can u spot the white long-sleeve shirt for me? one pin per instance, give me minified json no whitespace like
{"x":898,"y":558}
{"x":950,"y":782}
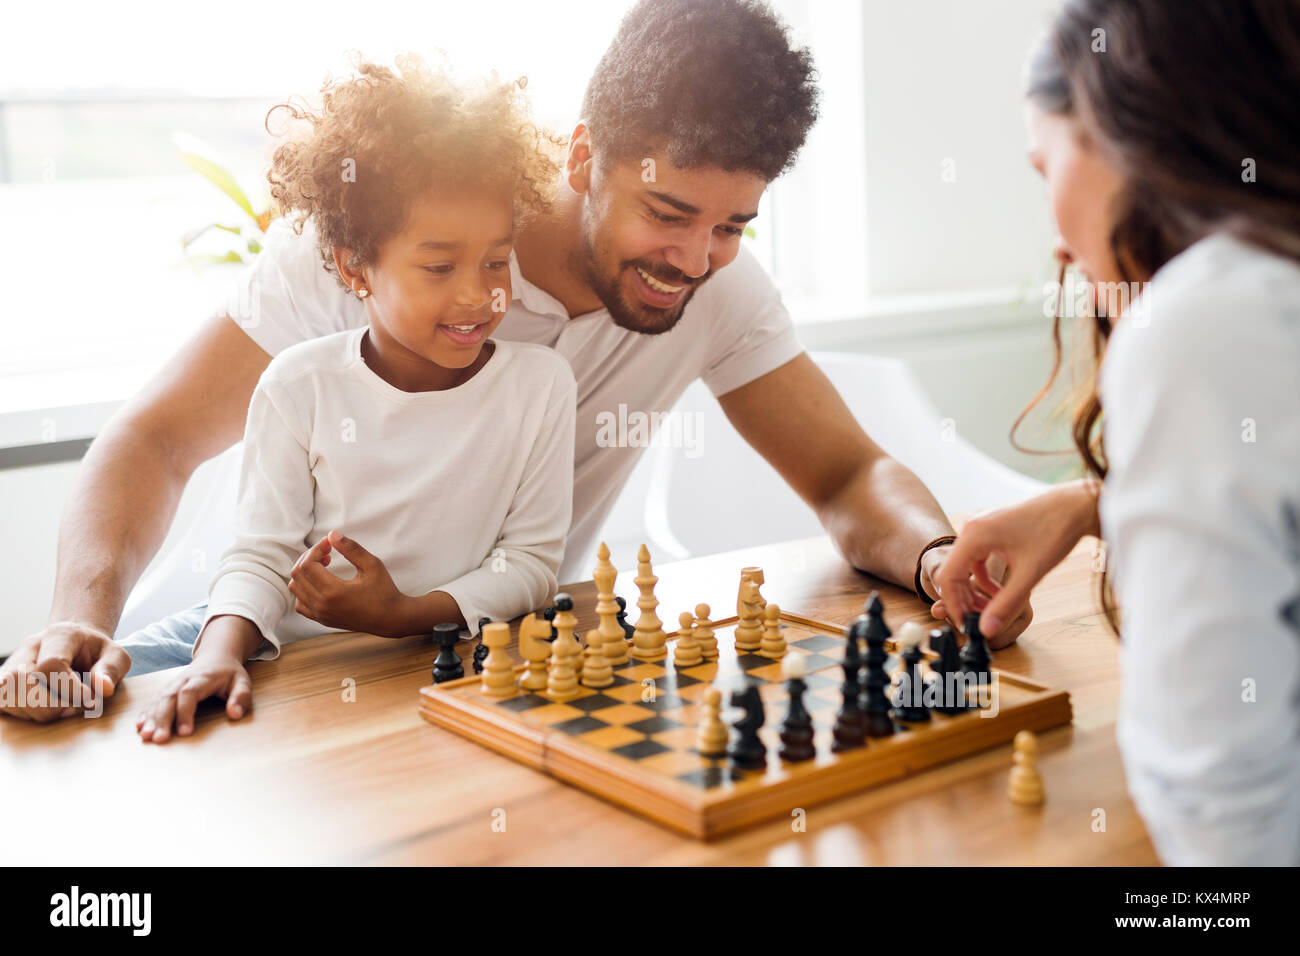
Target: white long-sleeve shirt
{"x":1201,"y":511}
{"x":466,"y":490}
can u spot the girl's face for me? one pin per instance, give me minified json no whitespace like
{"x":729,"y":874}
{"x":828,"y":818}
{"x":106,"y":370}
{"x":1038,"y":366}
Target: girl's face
{"x":1082,"y":189}
{"x":441,"y":286}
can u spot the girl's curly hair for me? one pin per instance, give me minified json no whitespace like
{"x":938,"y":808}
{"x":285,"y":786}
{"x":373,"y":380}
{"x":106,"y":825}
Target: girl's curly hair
{"x":384,"y":136}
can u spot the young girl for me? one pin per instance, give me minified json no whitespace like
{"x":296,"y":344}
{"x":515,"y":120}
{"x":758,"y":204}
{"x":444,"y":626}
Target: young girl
{"x":1170,"y":155}
{"x":414,"y":471}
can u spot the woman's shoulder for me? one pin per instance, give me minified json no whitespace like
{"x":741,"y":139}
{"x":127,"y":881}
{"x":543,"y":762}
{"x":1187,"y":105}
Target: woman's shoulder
{"x":1220,"y":304}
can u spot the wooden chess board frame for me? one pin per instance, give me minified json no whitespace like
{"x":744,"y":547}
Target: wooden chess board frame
{"x":757,"y":796}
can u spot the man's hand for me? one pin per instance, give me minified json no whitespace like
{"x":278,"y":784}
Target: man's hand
{"x":216,"y":675}
{"x":79,"y":653}
{"x":370,"y":602}
{"x":931,"y":569}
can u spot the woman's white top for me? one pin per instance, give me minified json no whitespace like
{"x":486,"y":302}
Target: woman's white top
{"x":1201,"y":513}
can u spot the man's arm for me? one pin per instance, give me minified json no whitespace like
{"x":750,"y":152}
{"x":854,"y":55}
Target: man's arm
{"x":877,"y":512}
{"x":127,"y":491}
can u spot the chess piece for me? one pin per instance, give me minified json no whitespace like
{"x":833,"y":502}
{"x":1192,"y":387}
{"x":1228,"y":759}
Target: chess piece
{"x":975,"y":657}
{"x":946,"y":675}
{"x":628,"y":630}
{"x":711,"y":738}
{"x":498,"y":669}
{"x":870,"y":626}
{"x":747,"y":751}
{"x":686,"y":652}
{"x":596,"y":671}
{"x":909,"y":698}
{"x":481,"y":649}
{"x":756,"y":575}
{"x":447,"y":665}
{"x":704,"y":633}
{"x":796,"y":730}
{"x":548,"y":615}
{"x":564,"y":625}
{"x":533,"y":635}
{"x":749,"y":633}
{"x":1026,"y":784}
{"x":850,"y":730}
{"x":648,"y":643}
{"x":566,"y":656}
{"x":773,"y":642}
{"x":613,"y":639}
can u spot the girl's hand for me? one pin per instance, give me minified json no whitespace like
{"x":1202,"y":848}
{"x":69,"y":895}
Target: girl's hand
{"x":370,"y":602}
{"x":208,"y":676}
{"x":1028,"y":540}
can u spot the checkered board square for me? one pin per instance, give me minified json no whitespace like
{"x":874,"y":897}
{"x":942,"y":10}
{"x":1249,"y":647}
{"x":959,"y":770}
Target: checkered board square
{"x":634,"y":742}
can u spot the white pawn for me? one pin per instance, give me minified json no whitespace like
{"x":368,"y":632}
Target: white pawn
{"x":704,"y":633}
{"x":711,"y":740}
{"x":596,"y":671}
{"x":498,"y":669}
{"x":773,"y":643}
{"x":1026,"y":785}
{"x":686,"y":653}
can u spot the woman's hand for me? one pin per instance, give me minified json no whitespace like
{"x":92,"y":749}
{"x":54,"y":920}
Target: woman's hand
{"x":370,"y":602}
{"x":1028,"y":539}
{"x":215,"y":675}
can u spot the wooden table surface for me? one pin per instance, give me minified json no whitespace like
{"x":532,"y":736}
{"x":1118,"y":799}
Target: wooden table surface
{"x":333,"y":765}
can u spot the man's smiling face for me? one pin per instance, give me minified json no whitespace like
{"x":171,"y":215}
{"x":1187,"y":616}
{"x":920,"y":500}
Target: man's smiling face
{"x":653,"y":233}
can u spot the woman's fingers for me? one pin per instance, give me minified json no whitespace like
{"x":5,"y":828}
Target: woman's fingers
{"x":240,"y":698}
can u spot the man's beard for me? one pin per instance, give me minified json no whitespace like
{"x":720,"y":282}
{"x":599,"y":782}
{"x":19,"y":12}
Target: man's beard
{"x":630,"y":315}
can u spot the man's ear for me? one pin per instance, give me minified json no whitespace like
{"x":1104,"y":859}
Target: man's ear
{"x":578,"y":161}
{"x":354,"y":278}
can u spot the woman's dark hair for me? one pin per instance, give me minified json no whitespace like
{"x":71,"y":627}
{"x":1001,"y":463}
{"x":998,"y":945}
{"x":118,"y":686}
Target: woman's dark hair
{"x":1197,"y":104}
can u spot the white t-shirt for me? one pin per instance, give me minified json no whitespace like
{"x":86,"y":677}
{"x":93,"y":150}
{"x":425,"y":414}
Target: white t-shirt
{"x":734,"y":330}
{"x":1201,"y":511}
{"x":466,"y":490}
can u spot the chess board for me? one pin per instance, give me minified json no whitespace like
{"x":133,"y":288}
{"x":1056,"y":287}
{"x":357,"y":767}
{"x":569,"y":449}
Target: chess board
{"x":633,"y":743}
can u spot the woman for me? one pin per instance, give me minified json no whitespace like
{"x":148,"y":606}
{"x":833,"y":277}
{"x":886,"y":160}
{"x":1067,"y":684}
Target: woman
{"x":1169,"y":138}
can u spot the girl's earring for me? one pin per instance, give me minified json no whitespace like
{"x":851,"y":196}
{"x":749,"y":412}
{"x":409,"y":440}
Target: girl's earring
{"x":362,"y":292}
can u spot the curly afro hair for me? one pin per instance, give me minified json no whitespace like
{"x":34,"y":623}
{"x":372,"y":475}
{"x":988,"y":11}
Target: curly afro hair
{"x":713,"y":82}
{"x":383,"y":137}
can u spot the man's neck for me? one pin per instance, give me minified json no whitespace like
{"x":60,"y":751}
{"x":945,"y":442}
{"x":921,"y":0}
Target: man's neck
{"x":548,"y":248}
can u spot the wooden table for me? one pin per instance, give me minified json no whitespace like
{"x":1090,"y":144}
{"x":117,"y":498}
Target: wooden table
{"x":334,"y":765}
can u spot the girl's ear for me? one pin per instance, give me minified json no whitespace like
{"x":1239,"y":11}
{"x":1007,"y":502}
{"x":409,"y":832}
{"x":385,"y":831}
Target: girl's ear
{"x":353,"y":277}
{"x":578,"y":161}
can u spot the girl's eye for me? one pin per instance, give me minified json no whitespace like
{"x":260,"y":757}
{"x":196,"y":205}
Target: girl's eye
{"x":501,"y":264}
{"x":443,"y":270}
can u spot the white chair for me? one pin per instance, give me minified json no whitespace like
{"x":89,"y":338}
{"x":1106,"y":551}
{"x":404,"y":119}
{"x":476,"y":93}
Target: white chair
{"x":723,"y":495}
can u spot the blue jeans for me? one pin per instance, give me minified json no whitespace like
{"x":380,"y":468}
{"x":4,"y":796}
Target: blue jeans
{"x":165,"y":643}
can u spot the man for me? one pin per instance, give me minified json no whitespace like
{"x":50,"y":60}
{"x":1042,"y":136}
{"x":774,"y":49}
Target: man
{"x":637,"y":277}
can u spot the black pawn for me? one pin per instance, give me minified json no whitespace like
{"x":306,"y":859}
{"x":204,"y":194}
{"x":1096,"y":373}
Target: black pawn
{"x":746,"y":749}
{"x":797,"y":729}
{"x":946,"y":669}
{"x":548,"y":615}
{"x":850,"y":730}
{"x":447,"y":665}
{"x":876,"y":683}
{"x":629,"y":630}
{"x":481,"y":651}
{"x":911,"y":689}
{"x":975,"y":658}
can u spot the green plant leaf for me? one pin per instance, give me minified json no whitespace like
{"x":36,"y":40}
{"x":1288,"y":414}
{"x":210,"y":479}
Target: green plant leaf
{"x":200,"y":157}
{"x":189,"y":238}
